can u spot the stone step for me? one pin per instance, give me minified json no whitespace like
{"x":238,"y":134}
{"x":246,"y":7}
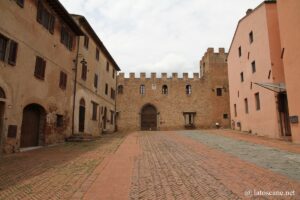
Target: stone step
{"x":81,"y":138}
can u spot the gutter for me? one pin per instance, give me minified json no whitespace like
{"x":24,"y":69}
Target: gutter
{"x":75,"y":85}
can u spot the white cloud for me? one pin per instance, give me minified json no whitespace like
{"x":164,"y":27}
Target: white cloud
{"x":162,"y":35}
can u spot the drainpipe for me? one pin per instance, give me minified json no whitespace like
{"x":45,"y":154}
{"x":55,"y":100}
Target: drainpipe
{"x":116,"y":76}
{"x":75,"y":85}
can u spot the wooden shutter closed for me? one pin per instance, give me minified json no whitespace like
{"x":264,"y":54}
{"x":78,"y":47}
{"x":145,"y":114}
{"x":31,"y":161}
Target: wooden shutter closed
{"x":13,"y":53}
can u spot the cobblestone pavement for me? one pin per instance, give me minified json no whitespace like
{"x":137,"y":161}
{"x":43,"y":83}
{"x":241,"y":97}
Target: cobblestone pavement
{"x":184,"y":165}
{"x":54,"y":172}
{"x":196,"y":165}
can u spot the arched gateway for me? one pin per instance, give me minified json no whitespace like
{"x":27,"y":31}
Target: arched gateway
{"x":148,"y":118}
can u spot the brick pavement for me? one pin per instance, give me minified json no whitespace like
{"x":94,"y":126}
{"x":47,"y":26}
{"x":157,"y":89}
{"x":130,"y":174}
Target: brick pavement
{"x":54,"y":172}
{"x":173,"y":166}
{"x":150,"y":165}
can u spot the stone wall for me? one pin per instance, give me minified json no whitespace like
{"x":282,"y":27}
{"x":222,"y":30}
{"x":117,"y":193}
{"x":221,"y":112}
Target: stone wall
{"x":203,"y":100}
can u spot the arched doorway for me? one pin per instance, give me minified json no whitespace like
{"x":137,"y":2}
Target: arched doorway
{"x":149,"y":118}
{"x":33,"y":125}
{"x":81,"y":115}
{"x":2,"y":107}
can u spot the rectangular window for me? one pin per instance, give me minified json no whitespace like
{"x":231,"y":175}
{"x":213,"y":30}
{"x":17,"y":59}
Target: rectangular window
{"x":84,"y":71}
{"x":20,"y":3}
{"x":112,"y":93}
{"x":66,"y":38}
{"x":107,"y":66}
{"x":251,"y":37}
{"x":235,"y":110}
{"x":95,"y":108}
{"x":219,"y":91}
{"x":12,"y":57}
{"x":253,"y":65}
{"x":63,"y":80}
{"x":106,"y":88}
{"x":242,"y":77}
{"x":112,"y":113}
{"x":3,"y":45}
{"x":96,"y":81}
{"x":225,"y":116}
{"x":257,"y":101}
{"x":97,"y":54}
{"x":113,"y":73}
{"x":240,"y":51}
{"x":40,"y":67}
{"x":246,"y":105}
{"x":59,"y":120}
{"x":45,"y":18}
{"x":86,"y":42}
{"x":142,"y":89}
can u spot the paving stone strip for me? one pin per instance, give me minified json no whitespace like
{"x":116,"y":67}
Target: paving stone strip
{"x":280,"y":161}
{"x":167,"y":170}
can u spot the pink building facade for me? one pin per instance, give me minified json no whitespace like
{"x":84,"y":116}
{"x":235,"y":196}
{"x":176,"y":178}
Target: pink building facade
{"x":289,"y":26}
{"x":256,"y":75}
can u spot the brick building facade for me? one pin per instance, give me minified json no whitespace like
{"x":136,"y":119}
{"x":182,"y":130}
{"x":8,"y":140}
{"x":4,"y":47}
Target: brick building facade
{"x":169,"y":103}
{"x":39,"y":53}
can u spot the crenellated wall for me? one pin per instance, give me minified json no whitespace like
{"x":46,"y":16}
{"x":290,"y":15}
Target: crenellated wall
{"x":203,"y":100}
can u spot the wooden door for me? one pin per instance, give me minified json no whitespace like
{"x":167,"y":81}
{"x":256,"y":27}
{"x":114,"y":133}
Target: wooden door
{"x":81,"y":118}
{"x":105,"y":118}
{"x":2,"y":106}
{"x":30,"y":126}
{"x":149,"y":118}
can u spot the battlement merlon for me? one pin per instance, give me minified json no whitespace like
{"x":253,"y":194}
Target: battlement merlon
{"x":164,"y":76}
{"x":142,"y":75}
{"x":132,"y":75}
{"x":153,"y":75}
{"x":121,"y":75}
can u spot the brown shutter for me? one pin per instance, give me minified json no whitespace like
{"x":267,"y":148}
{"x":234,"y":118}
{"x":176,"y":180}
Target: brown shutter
{"x":51,"y":24}
{"x":43,"y":68}
{"x":13,"y":53}
{"x":39,"y":12}
{"x":70,"y":42}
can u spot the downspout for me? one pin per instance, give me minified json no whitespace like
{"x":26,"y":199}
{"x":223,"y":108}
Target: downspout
{"x":116,"y":95}
{"x":75,"y":85}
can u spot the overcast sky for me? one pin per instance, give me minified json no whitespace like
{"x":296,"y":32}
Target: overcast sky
{"x":161,"y":35}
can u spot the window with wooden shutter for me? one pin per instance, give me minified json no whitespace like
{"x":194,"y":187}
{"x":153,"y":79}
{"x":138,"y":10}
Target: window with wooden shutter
{"x":84,"y":72}
{"x":51,"y":24}
{"x":20,"y":3}
{"x":63,"y":80}
{"x":3,"y":45}
{"x":97,"y":54}
{"x":86,"y":42}
{"x":95,"y":108}
{"x":96,"y":81}
{"x":66,"y":38}
{"x":45,"y":18}
{"x":106,"y":89}
{"x":107,"y":66}
{"x":40,"y":66}
{"x":12,"y":58}
{"x":39,"y":12}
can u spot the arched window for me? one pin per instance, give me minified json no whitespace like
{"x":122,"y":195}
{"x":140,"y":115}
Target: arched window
{"x":142,"y":89}
{"x":164,"y":89}
{"x":120,"y":89}
{"x":188,"y":89}
{"x":2,"y":93}
{"x":82,"y":102}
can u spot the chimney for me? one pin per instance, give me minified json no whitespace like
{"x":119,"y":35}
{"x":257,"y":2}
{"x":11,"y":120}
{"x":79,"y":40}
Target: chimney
{"x":249,"y":11}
